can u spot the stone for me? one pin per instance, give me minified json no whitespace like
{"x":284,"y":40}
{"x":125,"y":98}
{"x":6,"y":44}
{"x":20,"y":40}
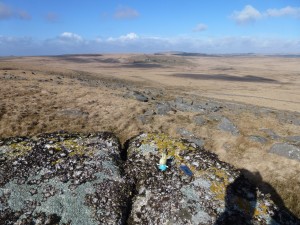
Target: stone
{"x":271,"y":133}
{"x":291,"y":118}
{"x":137,"y":96}
{"x":199,"y":120}
{"x":294,"y":139}
{"x":144,"y":119}
{"x":187,"y":105}
{"x":286,"y":150}
{"x":215,"y":117}
{"x":228,"y":126}
{"x":183,"y":132}
{"x":91,"y":184}
{"x":90,"y":171}
{"x":190,"y":137}
{"x":210,"y":106}
{"x":258,"y":139}
{"x":198,"y":141}
{"x":208,"y":191}
{"x":162,"y":108}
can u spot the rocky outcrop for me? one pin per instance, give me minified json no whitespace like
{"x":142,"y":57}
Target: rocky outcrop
{"x":62,"y":179}
{"x":196,"y":188}
{"x":65,"y":178}
{"x":137,"y":96}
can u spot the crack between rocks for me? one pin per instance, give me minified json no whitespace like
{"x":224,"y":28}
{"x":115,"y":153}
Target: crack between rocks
{"x":132,"y":185}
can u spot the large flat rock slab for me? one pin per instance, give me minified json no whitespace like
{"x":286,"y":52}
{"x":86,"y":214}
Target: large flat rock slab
{"x":227,"y":126}
{"x":195,"y":188}
{"x":62,"y":179}
{"x":286,"y":150}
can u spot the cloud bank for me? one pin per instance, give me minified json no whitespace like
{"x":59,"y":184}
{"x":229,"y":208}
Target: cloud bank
{"x":249,"y":14}
{"x":69,"y":43}
{"x":287,"y":11}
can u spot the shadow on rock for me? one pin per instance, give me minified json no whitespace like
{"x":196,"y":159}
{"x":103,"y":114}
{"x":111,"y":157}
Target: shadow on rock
{"x":282,"y":215}
{"x":241,"y":201}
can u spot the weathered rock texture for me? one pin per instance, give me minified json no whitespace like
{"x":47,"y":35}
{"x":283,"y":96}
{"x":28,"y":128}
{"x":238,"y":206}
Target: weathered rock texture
{"x":62,"y":179}
{"x":65,"y":178}
{"x":216,"y":193}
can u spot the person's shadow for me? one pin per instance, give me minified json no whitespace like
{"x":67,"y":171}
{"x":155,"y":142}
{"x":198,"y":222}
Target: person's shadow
{"x":241,"y":201}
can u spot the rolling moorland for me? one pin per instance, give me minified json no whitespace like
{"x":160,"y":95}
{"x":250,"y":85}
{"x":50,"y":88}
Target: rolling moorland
{"x":244,"y":108}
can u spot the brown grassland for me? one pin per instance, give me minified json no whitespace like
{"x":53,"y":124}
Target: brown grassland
{"x":85,"y":93}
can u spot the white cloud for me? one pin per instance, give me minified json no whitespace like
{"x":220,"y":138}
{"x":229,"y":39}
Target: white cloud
{"x":130,"y":36}
{"x":200,"y":27}
{"x":70,"y":37}
{"x":286,"y":11}
{"x":248,"y":14}
{"x":126,"y":13}
{"x":70,"y":43}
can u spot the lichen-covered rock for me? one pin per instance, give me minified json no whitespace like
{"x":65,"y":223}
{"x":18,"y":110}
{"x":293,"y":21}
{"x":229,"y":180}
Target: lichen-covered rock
{"x":62,"y":178}
{"x":196,"y":188}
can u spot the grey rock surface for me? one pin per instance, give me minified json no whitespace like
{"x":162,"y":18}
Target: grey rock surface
{"x":199,"y":120}
{"x":286,"y":150}
{"x":62,"y":179}
{"x":209,"y":192}
{"x":226,"y":125}
{"x":271,"y":133}
{"x":259,"y":139}
{"x":294,"y":139}
{"x":190,"y":137}
{"x":291,"y":118}
{"x":162,"y":108}
{"x":184,"y":132}
{"x":137,"y":96}
{"x":144,"y":119}
{"x":187,"y":105}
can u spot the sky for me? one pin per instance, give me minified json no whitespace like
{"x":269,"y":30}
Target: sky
{"x":52,"y":27}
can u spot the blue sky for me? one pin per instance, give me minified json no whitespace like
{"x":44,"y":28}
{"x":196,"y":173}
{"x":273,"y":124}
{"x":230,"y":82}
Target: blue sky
{"x":45,"y":27}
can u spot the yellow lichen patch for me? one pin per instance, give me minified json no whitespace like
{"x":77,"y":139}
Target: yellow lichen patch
{"x":164,"y":142}
{"x":218,"y":187}
{"x":76,"y":148}
{"x":18,"y":149}
{"x":220,"y":174}
{"x":73,"y":147}
{"x":262,"y":209}
{"x":219,"y":190}
{"x":56,"y":162}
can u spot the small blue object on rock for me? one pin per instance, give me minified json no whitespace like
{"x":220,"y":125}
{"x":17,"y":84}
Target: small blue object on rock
{"x":162,"y":167}
{"x":186,"y":170}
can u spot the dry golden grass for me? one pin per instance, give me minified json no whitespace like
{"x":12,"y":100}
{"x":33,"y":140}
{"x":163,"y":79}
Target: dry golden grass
{"x":85,"y":94}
